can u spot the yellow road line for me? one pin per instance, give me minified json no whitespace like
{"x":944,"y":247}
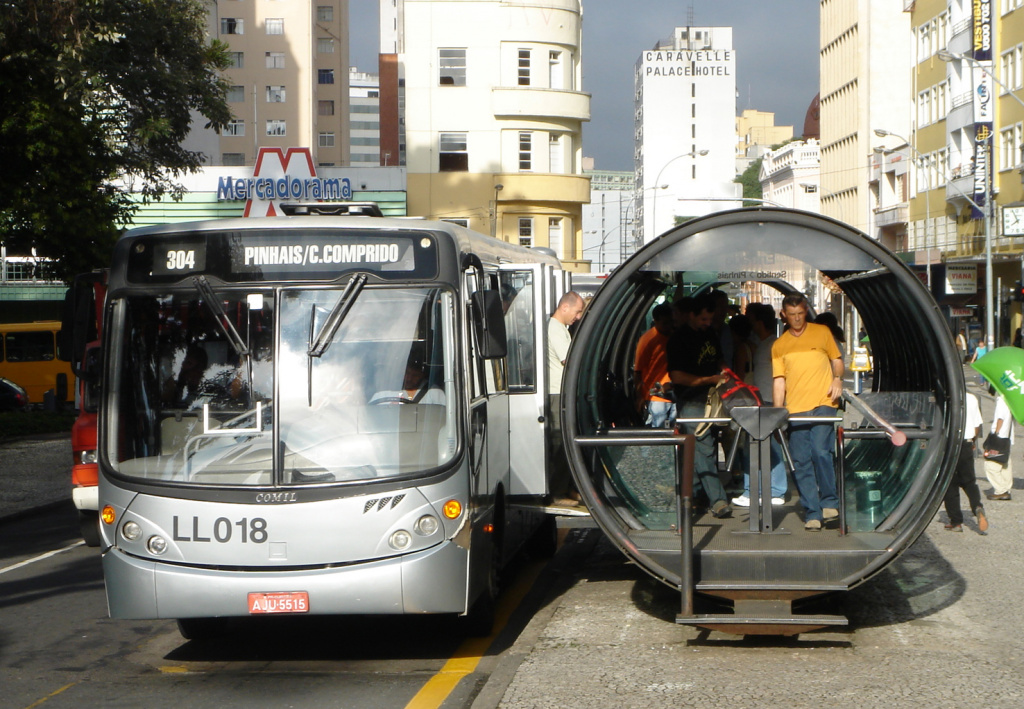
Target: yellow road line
{"x":468,"y":655}
{"x":51,"y":695}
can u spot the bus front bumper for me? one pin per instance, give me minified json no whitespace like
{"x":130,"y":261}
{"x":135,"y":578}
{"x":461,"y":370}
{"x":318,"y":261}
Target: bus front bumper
{"x":430,"y":581}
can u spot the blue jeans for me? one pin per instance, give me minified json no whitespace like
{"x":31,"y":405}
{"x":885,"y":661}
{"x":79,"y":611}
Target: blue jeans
{"x":705,"y":460}
{"x":811,"y":446}
{"x":779,"y":484}
{"x":659,"y":412}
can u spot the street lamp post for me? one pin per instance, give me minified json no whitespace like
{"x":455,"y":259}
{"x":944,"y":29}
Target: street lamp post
{"x":691,"y":154}
{"x":632,"y":204}
{"x":948,"y":56}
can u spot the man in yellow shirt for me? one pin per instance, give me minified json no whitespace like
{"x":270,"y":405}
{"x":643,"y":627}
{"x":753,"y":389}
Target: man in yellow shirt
{"x":808,"y":378}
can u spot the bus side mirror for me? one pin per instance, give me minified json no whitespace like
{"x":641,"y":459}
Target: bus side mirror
{"x":489,"y":324}
{"x":78,"y":324}
{"x":91,"y":380}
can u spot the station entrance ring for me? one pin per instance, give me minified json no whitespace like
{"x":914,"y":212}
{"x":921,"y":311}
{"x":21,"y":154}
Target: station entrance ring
{"x":889,"y":492}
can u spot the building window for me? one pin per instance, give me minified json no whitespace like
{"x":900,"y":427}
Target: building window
{"x":1010,"y":68}
{"x":556,"y":77}
{"x":275,"y":94}
{"x":555,"y":235}
{"x":325,"y":76}
{"x":233,"y":159}
{"x":275,"y":25}
{"x":236,"y":94}
{"x":325,"y":108}
{"x":525,"y":151}
{"x":556,"y":161}
{"x":451,"y":67}
{"x":276,"y":127}
{"x":325,"y":13}
{"x":524,"y":67}
{"x":458,"y":222}
{"x":232,"y":25}
{"x":1010,"y":140}
{"x":235,"y":128}
{"x":326,"y":140}
{"x":453,"y":155}
{"x":325,"y":45}
{"x":526,"y":231}
{"x":237,"y":60}
{"x":275,"y":60}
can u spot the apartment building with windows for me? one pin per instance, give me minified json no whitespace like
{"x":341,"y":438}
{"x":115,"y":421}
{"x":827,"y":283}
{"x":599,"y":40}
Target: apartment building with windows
{"x":288,"y":80}
{"x":491,"y":109}
{"x":865,"y":86}
{"x":966,"y":147}
{"x":364,"y":120}
{"x":684,"y":135}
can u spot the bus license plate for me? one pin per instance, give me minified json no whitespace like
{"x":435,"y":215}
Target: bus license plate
{"x":288,"y":602}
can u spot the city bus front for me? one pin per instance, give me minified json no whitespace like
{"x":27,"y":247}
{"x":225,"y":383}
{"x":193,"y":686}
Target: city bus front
{"x":280,"y":440}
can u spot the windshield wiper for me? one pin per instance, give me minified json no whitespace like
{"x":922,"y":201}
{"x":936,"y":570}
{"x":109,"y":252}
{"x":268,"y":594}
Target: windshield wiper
{"x":223,"y":321}
{"x":348,"y":298}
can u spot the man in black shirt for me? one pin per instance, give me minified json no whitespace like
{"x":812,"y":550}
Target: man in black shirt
{"x":695,"y":365}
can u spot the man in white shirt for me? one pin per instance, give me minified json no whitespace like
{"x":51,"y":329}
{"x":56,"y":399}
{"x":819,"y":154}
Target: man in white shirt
{"x":1000,"y":476}
{"x":964,"y":477}
{"x":569,"y":310}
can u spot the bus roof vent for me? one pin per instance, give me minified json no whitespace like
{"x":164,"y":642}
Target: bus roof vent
{"x":334,"y":209}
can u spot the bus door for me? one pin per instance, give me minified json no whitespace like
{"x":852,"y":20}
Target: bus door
{"x":488,"y":442}
{"x":530,"y":293}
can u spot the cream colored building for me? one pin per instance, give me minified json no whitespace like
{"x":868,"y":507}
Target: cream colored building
{"x":288,"y":80}
{"x":493,"y":111}
{"x":865,"y":85}
{"x":757,"y":133}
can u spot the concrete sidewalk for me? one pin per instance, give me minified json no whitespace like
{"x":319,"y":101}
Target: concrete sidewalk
{"x":938,"y":627}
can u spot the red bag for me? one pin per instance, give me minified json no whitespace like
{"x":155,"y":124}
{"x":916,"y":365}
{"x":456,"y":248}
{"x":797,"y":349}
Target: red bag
{"x":736,"y":392}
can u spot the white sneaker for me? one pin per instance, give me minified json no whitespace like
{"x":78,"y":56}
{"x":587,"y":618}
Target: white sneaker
{"x":741,"y":501}
{"x":776,"y":501}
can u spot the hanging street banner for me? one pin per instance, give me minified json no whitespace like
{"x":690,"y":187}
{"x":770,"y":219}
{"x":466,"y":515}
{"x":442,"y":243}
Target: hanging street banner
{"x":984,"y":103}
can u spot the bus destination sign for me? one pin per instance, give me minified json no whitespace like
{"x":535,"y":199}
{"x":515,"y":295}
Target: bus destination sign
{"x":282,"y":255}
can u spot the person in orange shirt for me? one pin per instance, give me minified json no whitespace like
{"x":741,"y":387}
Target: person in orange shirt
{"x":808,"y":379}
{"x":651,"y":379}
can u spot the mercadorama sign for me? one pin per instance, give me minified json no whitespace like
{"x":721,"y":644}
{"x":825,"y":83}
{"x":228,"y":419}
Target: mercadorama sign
{"x":281,"y":176}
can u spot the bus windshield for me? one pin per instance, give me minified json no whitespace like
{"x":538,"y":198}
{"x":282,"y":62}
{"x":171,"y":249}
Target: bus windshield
{"x":288,"y":386}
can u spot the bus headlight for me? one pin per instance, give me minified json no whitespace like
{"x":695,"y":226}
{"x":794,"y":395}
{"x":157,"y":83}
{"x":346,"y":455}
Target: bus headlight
{"x":87,"y":457}
{"x":157,"y":545}
{"x":131,"y":531}
{"x":400,"y":540}
{"x":426,"y":525}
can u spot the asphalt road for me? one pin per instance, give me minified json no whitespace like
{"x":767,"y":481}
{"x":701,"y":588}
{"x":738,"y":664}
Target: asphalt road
{"x":59,"y":650}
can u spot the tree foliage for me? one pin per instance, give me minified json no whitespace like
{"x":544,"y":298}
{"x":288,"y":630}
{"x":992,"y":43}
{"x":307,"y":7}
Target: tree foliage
{"x":751,"y":182}
{"x":97,"y":93}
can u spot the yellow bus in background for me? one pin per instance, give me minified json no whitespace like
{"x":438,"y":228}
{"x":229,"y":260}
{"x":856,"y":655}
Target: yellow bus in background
{"x":29,"y":358}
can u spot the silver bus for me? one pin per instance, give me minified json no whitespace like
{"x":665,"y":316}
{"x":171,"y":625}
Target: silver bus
{"x":316,"y":415}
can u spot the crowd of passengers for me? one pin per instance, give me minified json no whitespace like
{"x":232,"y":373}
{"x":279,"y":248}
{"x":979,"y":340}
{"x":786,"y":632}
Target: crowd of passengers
{"x":684,"y":355}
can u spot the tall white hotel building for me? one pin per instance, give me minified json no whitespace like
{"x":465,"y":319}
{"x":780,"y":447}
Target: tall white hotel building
{"x":685,"y":129}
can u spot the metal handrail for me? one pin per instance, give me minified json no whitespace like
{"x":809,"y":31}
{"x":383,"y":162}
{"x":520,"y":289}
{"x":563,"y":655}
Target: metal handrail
{"x":685,"y":445}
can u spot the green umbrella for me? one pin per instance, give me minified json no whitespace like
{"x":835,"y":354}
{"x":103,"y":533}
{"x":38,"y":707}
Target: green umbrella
{"x":1003,"y":367}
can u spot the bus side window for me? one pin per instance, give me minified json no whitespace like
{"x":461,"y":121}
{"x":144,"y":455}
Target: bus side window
{"x":517,"y":300}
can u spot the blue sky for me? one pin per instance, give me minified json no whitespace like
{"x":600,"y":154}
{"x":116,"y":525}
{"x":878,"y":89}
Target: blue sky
{"x":776,"y":46}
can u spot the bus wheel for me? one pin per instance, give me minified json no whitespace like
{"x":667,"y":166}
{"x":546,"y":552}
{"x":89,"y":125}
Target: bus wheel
{"x":201,"y":628}
{"x":89,"y":522}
